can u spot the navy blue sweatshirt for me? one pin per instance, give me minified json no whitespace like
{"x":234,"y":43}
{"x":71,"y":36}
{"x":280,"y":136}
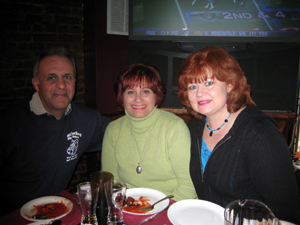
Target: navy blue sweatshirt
{"x":39,"y":154}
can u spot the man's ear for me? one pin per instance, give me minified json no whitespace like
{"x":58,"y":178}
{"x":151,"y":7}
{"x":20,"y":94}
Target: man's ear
{"x":35,"y":83}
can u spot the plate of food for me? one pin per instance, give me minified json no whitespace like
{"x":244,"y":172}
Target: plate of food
{"x":46,"y":208}
{"x":194,"y":211}
{"x":143,"y":197}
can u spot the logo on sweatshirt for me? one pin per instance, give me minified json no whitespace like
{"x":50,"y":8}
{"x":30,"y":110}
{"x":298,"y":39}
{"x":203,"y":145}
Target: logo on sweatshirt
{"x":72,"y":150}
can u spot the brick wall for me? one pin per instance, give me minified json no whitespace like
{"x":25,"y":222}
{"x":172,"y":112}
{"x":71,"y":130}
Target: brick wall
{"x":28,"y":26}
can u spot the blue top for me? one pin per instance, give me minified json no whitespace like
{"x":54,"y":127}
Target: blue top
{"x":205,"y":153}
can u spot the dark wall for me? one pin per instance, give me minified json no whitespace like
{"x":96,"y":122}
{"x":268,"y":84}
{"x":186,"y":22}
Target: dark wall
{"x":28,"y":27}
{"x":272,"y":69}
{"x":106,"y":57}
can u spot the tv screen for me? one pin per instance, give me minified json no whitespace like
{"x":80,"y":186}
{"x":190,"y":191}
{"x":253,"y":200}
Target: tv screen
{"x":215,"y":20}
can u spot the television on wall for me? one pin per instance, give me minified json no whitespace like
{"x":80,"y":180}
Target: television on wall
{"x":215,"y":20}
{"x":263,"y":35}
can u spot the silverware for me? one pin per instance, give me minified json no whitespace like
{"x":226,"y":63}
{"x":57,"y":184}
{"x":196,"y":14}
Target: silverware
{"x":73,"y":192}
{"x":154,"y":215}
{"x":52,"y":222}
{"x":149,"y":218}
{"x":39,"y":216}
{"x":149,"y":208}
{"x":56,"y":222}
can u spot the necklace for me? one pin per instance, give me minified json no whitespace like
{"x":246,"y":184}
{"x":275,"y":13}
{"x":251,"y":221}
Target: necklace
{"x":213,"y":130}
{"x":135,"y":146}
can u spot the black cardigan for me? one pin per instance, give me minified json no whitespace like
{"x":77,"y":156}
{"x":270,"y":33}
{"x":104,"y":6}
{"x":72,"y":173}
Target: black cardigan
{"x":251,"y":162}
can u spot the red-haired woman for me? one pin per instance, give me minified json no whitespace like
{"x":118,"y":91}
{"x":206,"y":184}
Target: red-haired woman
{"x":148,"y":147}
{"x":237,"y":151}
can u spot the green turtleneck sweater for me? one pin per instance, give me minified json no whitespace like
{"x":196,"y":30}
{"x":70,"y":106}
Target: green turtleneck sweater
{"x":160,"y":142}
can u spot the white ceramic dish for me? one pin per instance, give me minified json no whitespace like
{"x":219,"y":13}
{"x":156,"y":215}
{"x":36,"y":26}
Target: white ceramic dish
{"x":282,"y":222}
{"x":153,"y":196}
{"x":194,"y":211}
{"x":39,"y":223}
{"x":28,"y":210}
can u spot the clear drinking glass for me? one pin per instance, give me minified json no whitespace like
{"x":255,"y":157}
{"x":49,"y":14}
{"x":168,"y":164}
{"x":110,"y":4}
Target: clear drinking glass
{"x":115,"y":192}
{"x":248,"y":212}
{"x":88,"y":197}
{"x":101,"y":177}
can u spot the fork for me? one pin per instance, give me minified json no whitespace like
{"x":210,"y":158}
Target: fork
{"x":55,"y":222}
{"x":154,"y":215}
{"x":149,"y":218}
{"x":52,"y":222}
{"x":150,"y":207}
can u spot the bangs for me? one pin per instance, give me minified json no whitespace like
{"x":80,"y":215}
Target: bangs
{"x":140,"y":75}
{"x":198,"y":74}
{"x":136,"y":80}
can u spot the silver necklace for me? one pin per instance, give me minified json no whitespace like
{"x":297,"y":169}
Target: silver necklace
{"x":139,"y":168}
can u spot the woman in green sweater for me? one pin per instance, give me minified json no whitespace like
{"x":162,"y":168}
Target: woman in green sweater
{"x":147,"y":147}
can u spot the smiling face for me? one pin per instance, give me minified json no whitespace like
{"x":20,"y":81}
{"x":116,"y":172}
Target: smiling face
{"x":209,"y":97}
{"x":139,"y":101}
{"x":55,"y":84}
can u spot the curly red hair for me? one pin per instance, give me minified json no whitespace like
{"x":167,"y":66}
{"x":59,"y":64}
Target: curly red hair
{"x":217,"y":62}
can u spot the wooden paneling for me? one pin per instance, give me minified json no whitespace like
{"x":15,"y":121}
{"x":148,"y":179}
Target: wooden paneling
{"x":283,"y":119}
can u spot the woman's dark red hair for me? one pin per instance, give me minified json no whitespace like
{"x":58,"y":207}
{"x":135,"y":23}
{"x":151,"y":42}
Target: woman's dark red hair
{"x":217,"y":62}
{"x":137,"y":75}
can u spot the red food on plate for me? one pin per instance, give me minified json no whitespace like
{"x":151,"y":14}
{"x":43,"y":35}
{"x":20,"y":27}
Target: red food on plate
{"x":136,"y":205}
{"x":297,"y":155}
{"x":52,"y":210}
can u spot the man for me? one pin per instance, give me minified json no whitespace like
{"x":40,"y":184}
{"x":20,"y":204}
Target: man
{"x":43,"y":138}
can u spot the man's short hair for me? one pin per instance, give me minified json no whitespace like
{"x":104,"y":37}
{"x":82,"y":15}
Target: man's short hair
{"x":59,"y":51}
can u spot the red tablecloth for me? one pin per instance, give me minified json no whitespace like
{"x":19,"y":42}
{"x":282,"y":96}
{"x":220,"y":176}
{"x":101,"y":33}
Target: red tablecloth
{"x":74,"y":217}
{"x":160,"y":219}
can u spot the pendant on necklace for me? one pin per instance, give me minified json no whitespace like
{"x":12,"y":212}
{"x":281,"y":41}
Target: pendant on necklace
{"x":139,"y":169}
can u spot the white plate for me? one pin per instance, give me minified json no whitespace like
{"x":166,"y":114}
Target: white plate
{"x":27,"y":210}
{"x":194,"y":211}
{"x":282,"y":222}
{"x":153,"y":196}
{"x":40,"y":223}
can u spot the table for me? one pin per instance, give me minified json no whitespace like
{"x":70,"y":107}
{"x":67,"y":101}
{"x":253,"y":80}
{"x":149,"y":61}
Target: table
{"x":74,"y":217}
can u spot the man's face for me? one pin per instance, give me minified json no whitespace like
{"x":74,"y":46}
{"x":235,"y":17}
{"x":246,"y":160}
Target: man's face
{"x":56,"y":84}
